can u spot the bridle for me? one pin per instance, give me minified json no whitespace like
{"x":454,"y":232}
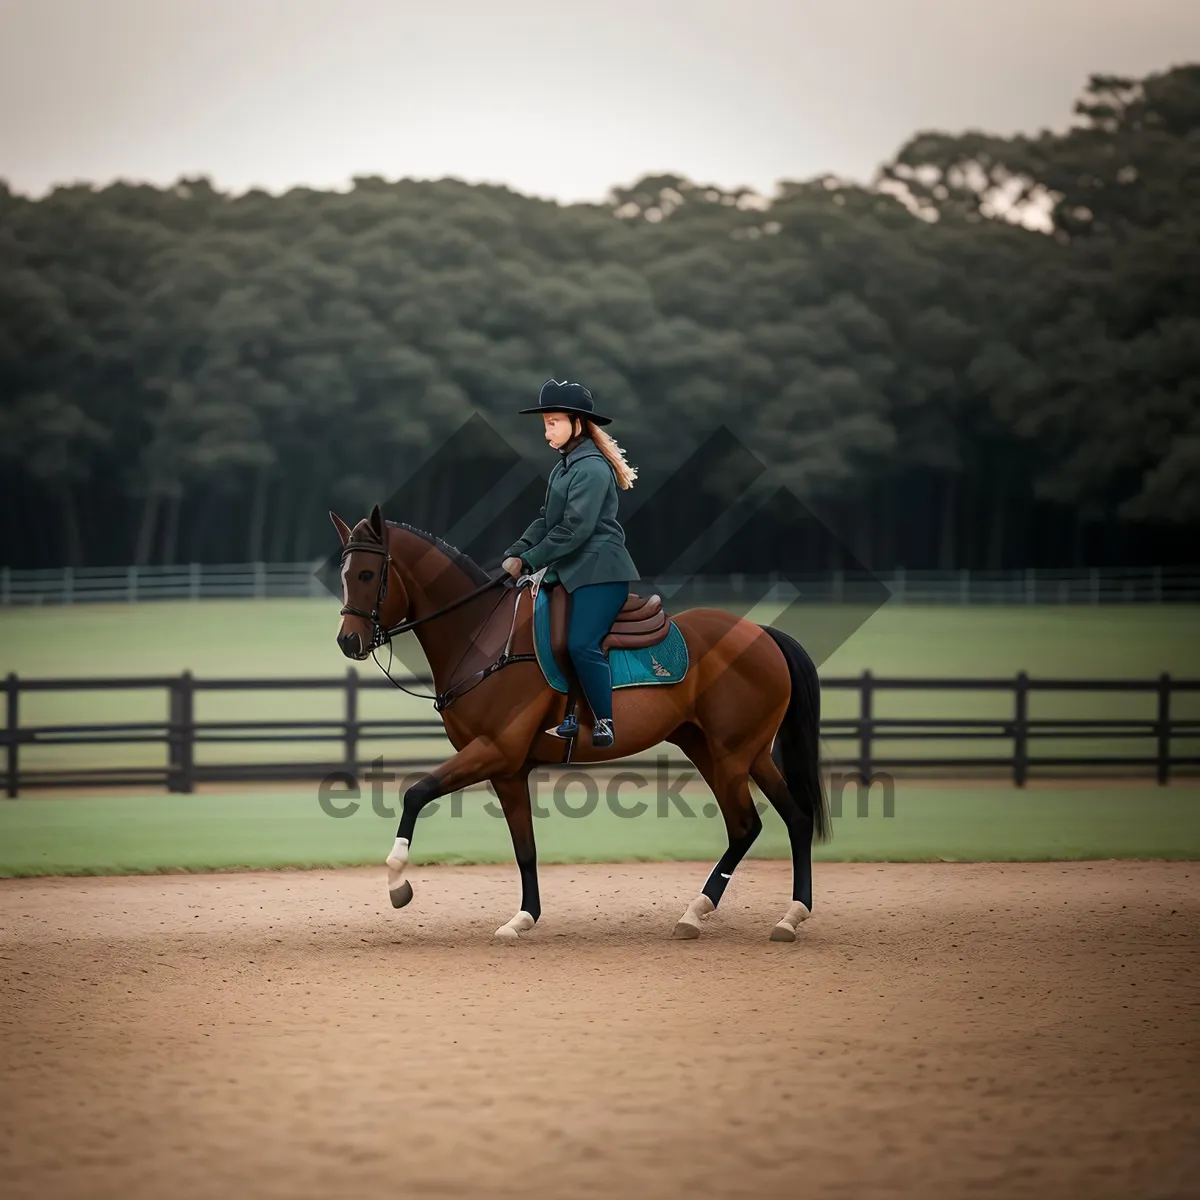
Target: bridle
{"x":381,"y":635}
{"x":378,"y":635}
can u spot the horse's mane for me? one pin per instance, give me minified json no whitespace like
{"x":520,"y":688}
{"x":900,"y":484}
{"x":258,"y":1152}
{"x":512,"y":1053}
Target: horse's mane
{"x":459,"y":558}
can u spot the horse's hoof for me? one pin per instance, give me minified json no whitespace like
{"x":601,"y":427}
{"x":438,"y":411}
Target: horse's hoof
{"x":688,"y":926}
{"x":511,"y":931}
{"x":785,"y":927}
{"x":401,"y":895}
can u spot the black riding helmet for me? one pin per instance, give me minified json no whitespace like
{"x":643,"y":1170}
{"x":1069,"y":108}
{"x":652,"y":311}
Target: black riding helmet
{"x":567,"y":397}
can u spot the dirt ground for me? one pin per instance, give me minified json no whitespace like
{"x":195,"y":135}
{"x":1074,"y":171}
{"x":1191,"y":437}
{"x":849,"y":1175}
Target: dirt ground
{"x":936,"y":1030}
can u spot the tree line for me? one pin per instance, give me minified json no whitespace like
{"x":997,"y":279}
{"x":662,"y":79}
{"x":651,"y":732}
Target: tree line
{"x":988,"y":358}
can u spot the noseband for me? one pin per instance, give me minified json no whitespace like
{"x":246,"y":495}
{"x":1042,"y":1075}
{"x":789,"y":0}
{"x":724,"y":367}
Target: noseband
{"x":380,"y":635}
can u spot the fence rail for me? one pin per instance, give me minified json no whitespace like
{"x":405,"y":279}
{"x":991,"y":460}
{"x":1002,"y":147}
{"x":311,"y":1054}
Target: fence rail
{"x":264,"y":581}
{"x":1149,"y":745}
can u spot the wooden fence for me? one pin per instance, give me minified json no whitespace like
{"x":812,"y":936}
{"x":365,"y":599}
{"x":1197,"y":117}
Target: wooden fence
{"x":268,"y":581}
{"x":1159,"y":744}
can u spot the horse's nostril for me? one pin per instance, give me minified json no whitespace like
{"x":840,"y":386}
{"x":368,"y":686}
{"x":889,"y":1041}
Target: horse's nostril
{"x":351,"y":644}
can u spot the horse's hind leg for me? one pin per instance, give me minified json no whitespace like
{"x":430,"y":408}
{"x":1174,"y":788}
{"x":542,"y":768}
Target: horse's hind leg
{"x":730,"y":785}
{"x":766,"y":774}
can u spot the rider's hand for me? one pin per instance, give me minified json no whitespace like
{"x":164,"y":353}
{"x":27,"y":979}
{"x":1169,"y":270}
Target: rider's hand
{"x":512,"y":566}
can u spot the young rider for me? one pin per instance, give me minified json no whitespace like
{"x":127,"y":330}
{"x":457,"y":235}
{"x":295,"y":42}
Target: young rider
{"x":578,"y":539}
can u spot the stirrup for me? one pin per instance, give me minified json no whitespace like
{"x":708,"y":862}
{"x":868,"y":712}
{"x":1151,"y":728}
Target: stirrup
{"x":569,"y":727}
{"x":602,"y":733}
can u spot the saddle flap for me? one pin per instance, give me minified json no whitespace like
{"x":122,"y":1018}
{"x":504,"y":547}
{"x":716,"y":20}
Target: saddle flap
{"x":559,"y":622}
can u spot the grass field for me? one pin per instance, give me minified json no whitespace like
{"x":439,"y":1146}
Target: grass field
{"x":290,"y":638}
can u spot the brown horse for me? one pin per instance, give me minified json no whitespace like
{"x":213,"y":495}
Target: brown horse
{"x":748,"y":688}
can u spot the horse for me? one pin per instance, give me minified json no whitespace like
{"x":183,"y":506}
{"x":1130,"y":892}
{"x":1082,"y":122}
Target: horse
{"x":747,"y":709}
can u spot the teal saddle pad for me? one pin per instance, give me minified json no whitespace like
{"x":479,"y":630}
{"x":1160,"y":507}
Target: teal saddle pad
{"x":665,"y":663}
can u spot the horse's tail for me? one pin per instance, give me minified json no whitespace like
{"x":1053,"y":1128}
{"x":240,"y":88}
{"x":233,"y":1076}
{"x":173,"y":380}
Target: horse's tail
{"x":797,"y":748}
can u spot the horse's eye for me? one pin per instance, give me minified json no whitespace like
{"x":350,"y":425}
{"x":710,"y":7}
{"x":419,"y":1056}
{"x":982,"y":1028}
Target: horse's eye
{"x":366,"y":576}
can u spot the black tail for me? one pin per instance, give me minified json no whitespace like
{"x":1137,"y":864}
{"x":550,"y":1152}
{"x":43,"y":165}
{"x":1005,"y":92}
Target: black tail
{"x":797,"y":748}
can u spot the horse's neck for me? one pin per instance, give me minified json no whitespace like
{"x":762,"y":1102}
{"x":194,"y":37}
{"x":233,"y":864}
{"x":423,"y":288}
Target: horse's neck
{"x":432,"y":581}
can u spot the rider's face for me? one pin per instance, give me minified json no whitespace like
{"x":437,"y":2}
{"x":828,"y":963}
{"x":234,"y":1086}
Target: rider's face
{"x":560,"y":428}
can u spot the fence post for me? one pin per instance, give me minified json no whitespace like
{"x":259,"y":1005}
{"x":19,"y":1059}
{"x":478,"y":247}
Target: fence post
{"x":5,"y":586}
{"x":1095,"y":579}
{"x":351,"y":753}
{"x":131,"y":584}
{"x":260,"y":581}
{"x":1158,"y":585}
{"x":194,"y":581}
{"x":12,"y":689}
{"x":1164,"y":728}
{"x":865,"y":728}
{"x":187,"y":746}
{"x":68,"y":585}
{"x":181,"y":741}
{"x":964,"y":585}
{"x":1030,"y":586}
{"x":837,"y":585}
{"x":898,"y":584}
{"x":1021,"y":731}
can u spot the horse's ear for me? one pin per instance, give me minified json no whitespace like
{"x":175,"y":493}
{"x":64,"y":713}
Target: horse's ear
{"x":341,"y":526}
{"x":377,"y":523}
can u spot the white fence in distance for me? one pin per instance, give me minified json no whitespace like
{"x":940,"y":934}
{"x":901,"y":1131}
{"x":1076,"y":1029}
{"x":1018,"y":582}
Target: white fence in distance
{"x":132,"y":585}
{"x":269,"y":581}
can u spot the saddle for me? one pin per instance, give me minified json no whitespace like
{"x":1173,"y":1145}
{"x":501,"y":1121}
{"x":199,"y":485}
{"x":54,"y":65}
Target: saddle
{"x":642,"y":621}
{"x":640,"y":631}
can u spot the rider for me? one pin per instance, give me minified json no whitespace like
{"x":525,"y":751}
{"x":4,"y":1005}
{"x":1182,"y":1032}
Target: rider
{"x":579,"y":540}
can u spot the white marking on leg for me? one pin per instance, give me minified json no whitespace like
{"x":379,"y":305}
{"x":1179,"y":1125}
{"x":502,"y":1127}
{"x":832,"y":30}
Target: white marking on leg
{"x":511,"y":931}
{"x":688,"y":926}
{"x":397,"y":861}
{"x":785,"y":928}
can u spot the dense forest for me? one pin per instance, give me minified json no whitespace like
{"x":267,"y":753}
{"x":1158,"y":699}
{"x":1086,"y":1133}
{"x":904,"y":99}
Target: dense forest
{"x":988,"y":358}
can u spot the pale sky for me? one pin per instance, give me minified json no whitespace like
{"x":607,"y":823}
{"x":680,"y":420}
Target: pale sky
{"x":558,"y":98}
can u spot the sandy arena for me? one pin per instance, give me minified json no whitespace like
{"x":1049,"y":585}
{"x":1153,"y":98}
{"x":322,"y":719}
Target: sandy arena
{"x":936,"y":1030}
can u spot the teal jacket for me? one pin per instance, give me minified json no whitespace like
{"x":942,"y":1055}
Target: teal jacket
{"x":577,"y":535}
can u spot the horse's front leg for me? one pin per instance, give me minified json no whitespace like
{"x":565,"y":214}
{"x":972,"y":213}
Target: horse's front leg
{"x":513,"y":793}
{"x":478,"y":760}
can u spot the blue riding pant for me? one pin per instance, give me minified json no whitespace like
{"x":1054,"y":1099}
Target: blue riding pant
{"x":594,"y":607}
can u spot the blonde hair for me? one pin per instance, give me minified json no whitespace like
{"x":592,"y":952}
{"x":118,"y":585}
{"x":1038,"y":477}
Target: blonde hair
{"x":616,"y":456}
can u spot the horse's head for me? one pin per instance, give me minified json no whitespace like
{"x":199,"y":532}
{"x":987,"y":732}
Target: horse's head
{"x":373,"y":596}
